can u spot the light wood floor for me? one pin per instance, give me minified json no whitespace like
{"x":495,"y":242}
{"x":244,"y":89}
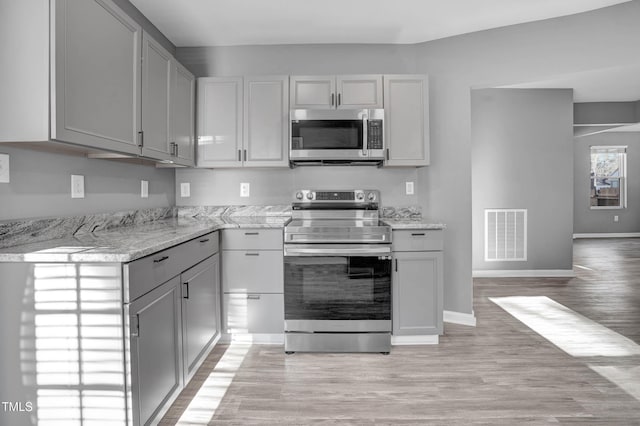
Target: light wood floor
{"x":498,"y":373}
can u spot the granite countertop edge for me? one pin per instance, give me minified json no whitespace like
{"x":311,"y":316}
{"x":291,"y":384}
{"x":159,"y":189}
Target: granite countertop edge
{"x":128,"y":243}
{"x":413,"y":223}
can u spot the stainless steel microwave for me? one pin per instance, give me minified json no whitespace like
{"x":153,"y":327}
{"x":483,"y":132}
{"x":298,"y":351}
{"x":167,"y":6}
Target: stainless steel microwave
{"x":336,"y":136}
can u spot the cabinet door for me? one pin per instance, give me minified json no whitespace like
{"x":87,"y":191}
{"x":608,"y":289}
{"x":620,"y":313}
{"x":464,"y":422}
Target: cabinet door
{"x":406,"y":107}
{"x":266,"y":121}
{"x":253,"y":271}
{"x":96,"y":76}
{"x":183,"y":113}
{"x":359,"y":91}
{"x":219,"y":122}
{"x":156,"y":356}
{"x":313,"y":92}
{"x":200,"y":315}
{"x":253,"y":313}
{"x":156,"y":82}
{"x":417,"y":293}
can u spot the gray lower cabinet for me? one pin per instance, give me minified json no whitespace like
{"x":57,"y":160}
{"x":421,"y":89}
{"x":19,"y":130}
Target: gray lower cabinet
{"x":417,"y":283}
{"x":253,"y":284}
{"x":200,"y":313}
{"x":173,"y":320}
{"x":156,"y":355}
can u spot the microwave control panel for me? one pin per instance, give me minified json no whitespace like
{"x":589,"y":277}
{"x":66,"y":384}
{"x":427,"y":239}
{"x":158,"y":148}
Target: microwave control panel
{"x":374,"y":134}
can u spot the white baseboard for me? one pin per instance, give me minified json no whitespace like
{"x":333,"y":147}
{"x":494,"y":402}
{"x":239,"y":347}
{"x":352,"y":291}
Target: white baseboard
{"x":415,"y":340}
{"x":525,"y":273}
{"x":459,"y":318}
{"x":608,"y":235}
{"x":257,"y":338}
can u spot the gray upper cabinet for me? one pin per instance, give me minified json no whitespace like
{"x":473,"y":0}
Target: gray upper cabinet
{"x":183,"y":114}
{"x":243,"y":122}
{"x":96,"y":76}
{"x":266,"y":121}
{"x":406,"y":106}
{"x":331,"y":92}
{"x":156,"y":106}
{"x":219,"y":122}
{"x":168,"y":102}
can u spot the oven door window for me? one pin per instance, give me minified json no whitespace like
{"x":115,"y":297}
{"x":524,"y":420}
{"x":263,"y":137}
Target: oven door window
{"x":326,"y":134}
{"x":337,"y":288}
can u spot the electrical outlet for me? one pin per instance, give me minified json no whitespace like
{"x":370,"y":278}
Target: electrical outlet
{"x":77,"y":186}
{"x":244,"y":189}
{"x":615,"y":218}
{"x":185,"y":190}
{"x":4,"y":168}
{"x":144,"y":189}
{"x":409,"y":188}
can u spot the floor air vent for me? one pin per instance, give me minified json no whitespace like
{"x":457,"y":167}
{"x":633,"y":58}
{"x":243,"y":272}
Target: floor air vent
{"x":505,"y":234}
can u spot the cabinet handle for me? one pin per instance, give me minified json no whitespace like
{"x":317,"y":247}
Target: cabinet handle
{"x":239,"y":155}
{"x":396,"y":265}
{"x":186,"y":292}
{"x":135,"y":325}
{"x":252,"y":254}
{"x":253,"y":296}
{"x":339,"y":99}
{"x":141,"y":138}
{"x":332,"y":99}
{"x":387,"y":153}
{"x":251,"y":233}
{"x":177,"y":149}
{"x":245,"y":155}
{"x":418,"y":234}
{"x":162,"y":259}
{"x":204,"y":240}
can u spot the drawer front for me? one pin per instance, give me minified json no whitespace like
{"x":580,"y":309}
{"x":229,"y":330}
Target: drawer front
{"x":253,"y":313}
{"x":252,"y":271}
{"x":200,"y":248}
{"x":256,"y":239}
{"x":145,"y":274}
{"x":417,"y":240}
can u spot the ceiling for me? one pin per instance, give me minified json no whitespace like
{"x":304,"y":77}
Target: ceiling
{"x":250,"y":22}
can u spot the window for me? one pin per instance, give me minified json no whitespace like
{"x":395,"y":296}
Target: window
{"x":608,"y":173}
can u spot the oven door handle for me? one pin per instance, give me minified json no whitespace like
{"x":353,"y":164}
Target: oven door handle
{"x":351,"y":251}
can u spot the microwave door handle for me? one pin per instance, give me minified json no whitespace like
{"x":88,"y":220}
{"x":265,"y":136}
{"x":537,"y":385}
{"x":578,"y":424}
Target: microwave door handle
{"x":365,"y":143}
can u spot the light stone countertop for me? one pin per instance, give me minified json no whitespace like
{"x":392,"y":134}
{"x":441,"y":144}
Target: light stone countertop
{"x":412,"y":223}
{"x":128,"y":243}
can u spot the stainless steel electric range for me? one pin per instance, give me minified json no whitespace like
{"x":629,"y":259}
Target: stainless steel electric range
{"x":337,"y":273}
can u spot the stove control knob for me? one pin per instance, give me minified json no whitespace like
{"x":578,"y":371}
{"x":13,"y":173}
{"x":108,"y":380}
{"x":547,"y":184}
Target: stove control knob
{"x":359,"y":196}
{"x":371,"y":196}
{"x":299,"y":195}
{"x":309,"y":195}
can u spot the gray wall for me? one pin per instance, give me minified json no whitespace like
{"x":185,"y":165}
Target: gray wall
{"x":510,"y":55}
{"x":522,"y":151}
{"x":587,"y":221}
{"x":41,"y":185}
{"x":277,"y":186}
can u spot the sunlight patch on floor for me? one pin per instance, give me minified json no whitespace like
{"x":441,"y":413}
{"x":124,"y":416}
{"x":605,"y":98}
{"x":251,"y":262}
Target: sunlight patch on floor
{"x":575,"y":334}
{"x":626,"y":378}
{"x":204,"y":404}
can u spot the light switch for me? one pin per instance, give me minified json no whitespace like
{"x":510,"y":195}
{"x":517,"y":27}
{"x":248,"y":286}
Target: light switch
{"x":144,"y":188}
{"x":4,"y":168}
{"x":185,"y":189}
{"x":409,"y":188}
{"x":77,"y":186}
{"x":244,"y":189}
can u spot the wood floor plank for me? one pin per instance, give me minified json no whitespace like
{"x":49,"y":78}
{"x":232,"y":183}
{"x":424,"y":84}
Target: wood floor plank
{"x":498,"y":373}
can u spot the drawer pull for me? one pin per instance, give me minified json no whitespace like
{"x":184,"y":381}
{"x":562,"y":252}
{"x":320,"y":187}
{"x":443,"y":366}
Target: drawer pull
{"x":204,"y":240}
{"x":253,"y":296}
{"x":162,"y":259}
{"x":418,"y":234}
{"x":251,"y":233}
{"x":252,"y":254}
